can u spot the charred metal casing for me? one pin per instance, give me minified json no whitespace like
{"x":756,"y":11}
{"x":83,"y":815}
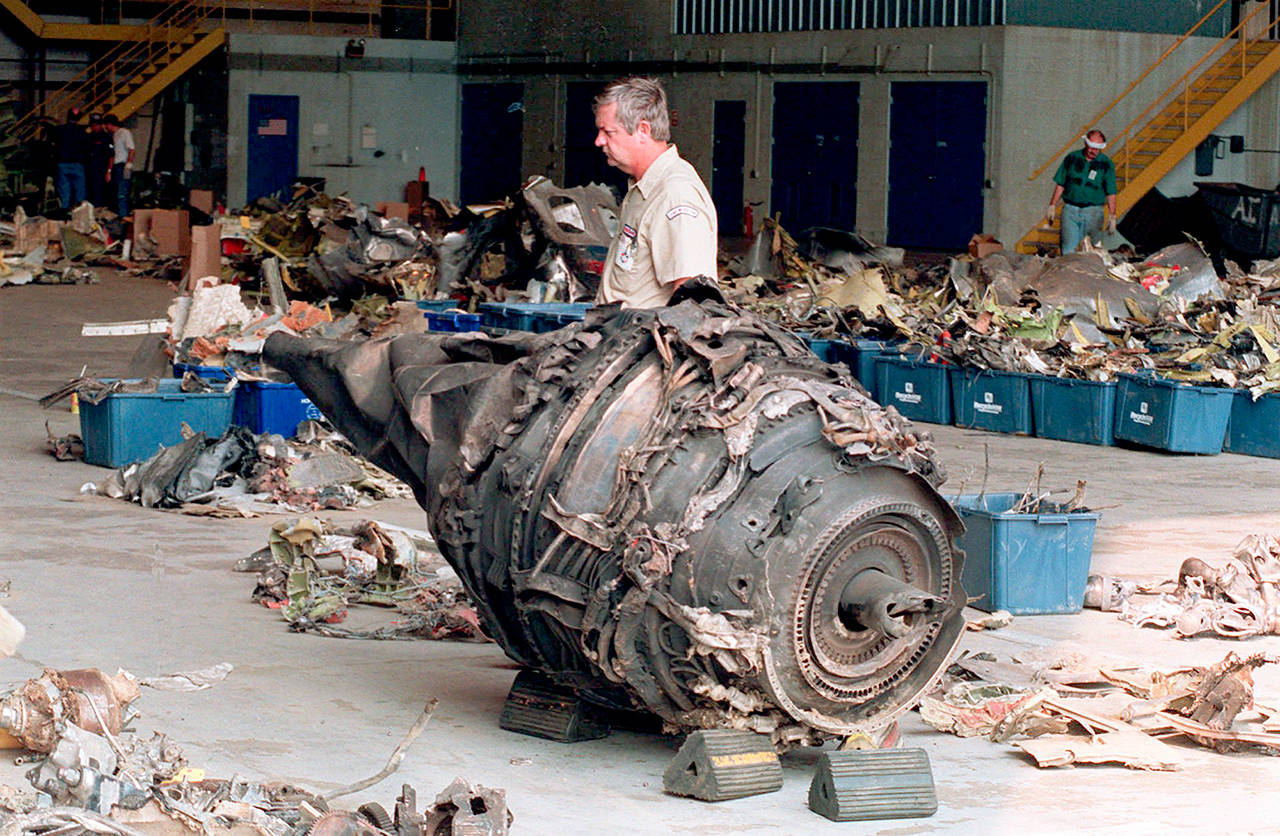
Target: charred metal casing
{"x":680,"y":509}
{"x":88,"y":698}
{"x":548,"y":233}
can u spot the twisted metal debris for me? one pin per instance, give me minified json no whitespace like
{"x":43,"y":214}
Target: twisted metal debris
{"x":681,"y":510}
{"x":1237,"y":600}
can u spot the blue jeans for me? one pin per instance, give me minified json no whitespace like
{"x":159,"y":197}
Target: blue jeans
{"x":122,"y":184}
{"x":70,"y":184}
{"x":1077,"y":222}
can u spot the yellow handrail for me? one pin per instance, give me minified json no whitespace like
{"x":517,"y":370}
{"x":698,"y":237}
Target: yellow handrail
{"x":1182,"y":83}
{"x":183,"y":15}
{"x":96,"y":85}
{"x":145,"y":50}
{"x":1056,"y":156}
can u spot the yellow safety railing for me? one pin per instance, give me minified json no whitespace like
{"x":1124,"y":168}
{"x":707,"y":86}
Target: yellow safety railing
{"x":371,"y":10}
{"x":95,"y":86}
{"x":1180,"y":92}
{"x":1056,"y":156}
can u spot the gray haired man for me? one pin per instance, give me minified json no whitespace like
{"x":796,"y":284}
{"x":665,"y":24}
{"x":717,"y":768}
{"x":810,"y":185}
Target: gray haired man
{"x":667,"y":227}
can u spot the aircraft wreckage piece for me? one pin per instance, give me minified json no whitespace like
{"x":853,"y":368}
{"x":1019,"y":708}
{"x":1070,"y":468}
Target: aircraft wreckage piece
{"x":681,"y":510}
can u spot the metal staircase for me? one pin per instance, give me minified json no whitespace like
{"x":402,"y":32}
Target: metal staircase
{"x":1182,"y":116}
{"x":132,"y":72}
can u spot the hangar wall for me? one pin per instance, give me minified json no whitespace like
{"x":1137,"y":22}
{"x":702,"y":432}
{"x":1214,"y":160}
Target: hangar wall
{"x":1043,"y":83}
{"x":365,"y":125}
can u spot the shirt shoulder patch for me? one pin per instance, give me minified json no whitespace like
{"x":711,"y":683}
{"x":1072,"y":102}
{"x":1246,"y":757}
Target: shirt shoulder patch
{"x":677,"y":211}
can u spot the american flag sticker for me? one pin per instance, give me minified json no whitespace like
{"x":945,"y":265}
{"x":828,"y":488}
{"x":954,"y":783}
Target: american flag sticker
{"x":273,"y":127}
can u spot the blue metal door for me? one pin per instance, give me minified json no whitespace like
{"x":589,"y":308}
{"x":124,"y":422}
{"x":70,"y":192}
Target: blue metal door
{"x":937,"y":159}
{"x":815,"y":154}
{"x":728,"y":153}
{"x":272,"y":146}
{"x":583,"y":162}
{"x":492,"y":141}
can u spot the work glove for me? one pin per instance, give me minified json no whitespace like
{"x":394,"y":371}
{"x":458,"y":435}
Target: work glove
{"x":1050,"y":212}
{"x":1111,"y":225}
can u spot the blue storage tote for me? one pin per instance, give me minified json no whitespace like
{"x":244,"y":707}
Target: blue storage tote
{"x":552,"y":316}
{"x":126,"y":427}
{"x":501,"y":315}
{"x":987,"y":399}
{"x":1028,"y":564}
{"x":439,"y":305}
{"x":532,"y":316}
{"x":266,"y":407}
{"x":920,"y":390}
{"x":453,"y":322}
{"x":1254,"y":429}
{"x":207,"y":372}
{"x":1173,"y":416}
{"x":862,"y":360}
{"x":823,"y":348}
{"x":1073,"y":410}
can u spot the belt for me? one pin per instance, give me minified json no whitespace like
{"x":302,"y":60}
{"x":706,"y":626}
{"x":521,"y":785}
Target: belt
{"x":1081,"y":205}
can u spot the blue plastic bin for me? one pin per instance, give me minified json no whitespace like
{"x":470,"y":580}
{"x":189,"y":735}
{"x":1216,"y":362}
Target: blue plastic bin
{"x":1073,"y":410}
{"x":453,"y":322}
{"x":987,"y":399}
{"x":823,"y":348}
{"x":439,"y":305}
{"x":862,"y":361}
{"x":500,"y":315}
{"x":920,"y":390}
{"x":1254,"y":429}
{"x":128,"y":427}
{"x":266,"y":407}
{"x":532,"y":316}
{"x":1173,"y":416}
{"x":207,"y":372}
{"x":1028,"y":564}
{"x":552,"y":316}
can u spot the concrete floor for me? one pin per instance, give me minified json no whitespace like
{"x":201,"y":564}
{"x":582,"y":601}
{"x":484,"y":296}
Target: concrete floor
{"x":101,"y":583}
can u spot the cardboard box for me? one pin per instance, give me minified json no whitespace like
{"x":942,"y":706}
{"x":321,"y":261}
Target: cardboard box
{"x":984,"y":244}
{"x":393,"y":210}
{"x":169,"y":230}
{"x":206,"y":253}
{"x":201,"y":199}
{"x":36,"y":233}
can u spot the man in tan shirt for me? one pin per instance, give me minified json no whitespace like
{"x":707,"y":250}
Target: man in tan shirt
{"x":668,"y":232}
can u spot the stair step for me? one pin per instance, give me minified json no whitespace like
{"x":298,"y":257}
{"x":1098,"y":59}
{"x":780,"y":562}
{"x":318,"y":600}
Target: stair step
{"x":1225,"y":82}
{"x":1171,"y":131}
{"x":1180,"y":116}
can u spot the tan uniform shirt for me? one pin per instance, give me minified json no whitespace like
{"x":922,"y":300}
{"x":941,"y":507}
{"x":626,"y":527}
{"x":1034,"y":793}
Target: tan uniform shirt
{"x":667,"y":231}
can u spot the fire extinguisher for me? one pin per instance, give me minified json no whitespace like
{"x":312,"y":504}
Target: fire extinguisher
{"x":748,"y":221}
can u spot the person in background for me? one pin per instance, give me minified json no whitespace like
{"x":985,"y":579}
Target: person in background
{"x":72,"y":145}
{"x":1086,"y":180}
{"x":121,"y":172}
{"x":98,"y":165}
{"x":668,"y":226}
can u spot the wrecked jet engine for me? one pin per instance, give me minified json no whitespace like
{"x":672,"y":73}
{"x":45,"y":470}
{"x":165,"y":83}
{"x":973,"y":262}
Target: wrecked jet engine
{"x":681,"y":510}
{"x":557,"y":236}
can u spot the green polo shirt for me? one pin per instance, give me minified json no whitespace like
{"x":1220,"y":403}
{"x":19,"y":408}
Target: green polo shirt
{"x":1086,"y":183}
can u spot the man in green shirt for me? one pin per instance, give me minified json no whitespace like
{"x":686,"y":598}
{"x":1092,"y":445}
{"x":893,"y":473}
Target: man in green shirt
{"x":1085,"y":181}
